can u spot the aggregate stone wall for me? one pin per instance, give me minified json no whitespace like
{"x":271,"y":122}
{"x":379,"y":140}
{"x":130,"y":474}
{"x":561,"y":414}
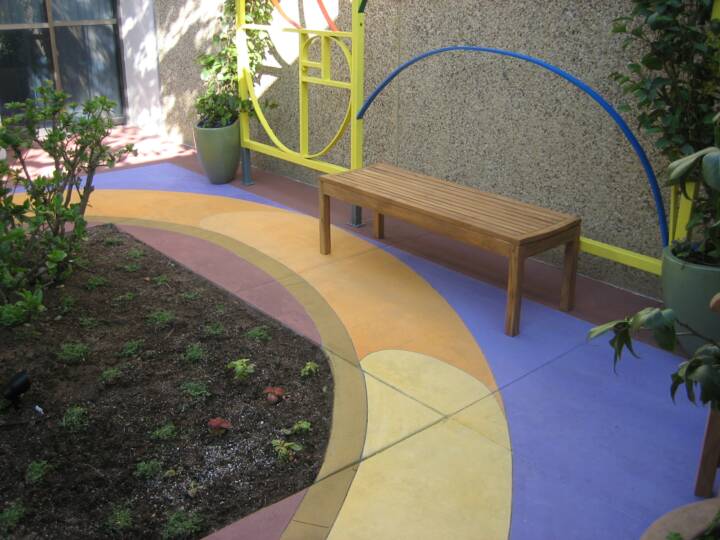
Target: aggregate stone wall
{"x":499,"y":124}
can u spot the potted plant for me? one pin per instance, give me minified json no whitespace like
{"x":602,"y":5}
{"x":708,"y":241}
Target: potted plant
{"x":675,"y":84}
{"x":217,"y":133}
{"x":700,"y":372}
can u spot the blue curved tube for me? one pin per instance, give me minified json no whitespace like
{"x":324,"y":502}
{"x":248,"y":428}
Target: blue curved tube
{"x":629,"y":135}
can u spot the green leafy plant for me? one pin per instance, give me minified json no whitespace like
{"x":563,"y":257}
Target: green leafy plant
{"x":110,"y":375}
{"x":299,"y":427}
{"x":88,"y":322}
{"x":95,"y":282}
{"x":131,"y":348}
{"x":161,"y":318}
{"x":190,"y":296}
{"x":73,"y":353}
{"x":111,"y":241}
{"x":28,"y":305}
{"x":195,"y":389}
{"x":310,"y":369}
{"x":286,"y":450}
{"x":135,"y":253}
{"x":160,"y":280}
{"x":11,"y":516}
{"x":213,"y":329}
{"x":120,"y":518}
{"x":259,"y":333}
{"x":194,"y":353}
{"x":67,"y":303}
{"x":148,"y":469}
{"x":36,"y":471}
{"x":164,"y":432}
{"x":131,"y":268}
{"x":241,"y":368}
{"x":75,"y":418}
{"x":40,"y":234}
{"x":124,"y":298}
{"x":701,"y":371}
{"x":182,"y":524}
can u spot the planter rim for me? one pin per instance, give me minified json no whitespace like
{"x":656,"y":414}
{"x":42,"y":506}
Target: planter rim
{"x":197,"y":126}
{"x":667,"y":253}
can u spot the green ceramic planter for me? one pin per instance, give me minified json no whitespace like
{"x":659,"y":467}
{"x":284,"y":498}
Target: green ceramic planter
{"x":687,"y":290}
{"x":219,"y":151}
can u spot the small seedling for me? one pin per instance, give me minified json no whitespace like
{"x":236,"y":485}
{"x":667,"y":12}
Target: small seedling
{"x":259,"y":333}
{"x":310,"y":369}
{"x":218,"y":425}
{"x":161,"y":318}
{"x":36,"y":471}
{"x":94,"y":282}
{"x":189,"y":296}
{"x":88,"y":322}
{"x":135,"y":253}
{"x":160,"y":280}
{"x":299,"y":427}
{"x":213,"y":330}
{"x":194,"y":353}
{"x":110,"y":375}
{"x":75,"y":418}
{"x":220,"y":309}
{"x":113,"y":241}
{"x":274,"y":393}
{"x":131,"y":267}
{"x":67,"y":303}
{"x":164,"y":432}
{"x":182,"y":525}
{"x":242,"y":368}
{"x":124,"y":298}
{"x":11,"y":516}
{"x":120,"y":518}
{"x":131,"y":349}
{"x":148,"y":469}
{"x":286,"y":450}
{"x":195,"y":389}
{"x":73,"y":353}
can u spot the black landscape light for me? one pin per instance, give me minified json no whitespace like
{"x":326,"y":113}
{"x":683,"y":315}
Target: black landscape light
{"x":18,"y":385}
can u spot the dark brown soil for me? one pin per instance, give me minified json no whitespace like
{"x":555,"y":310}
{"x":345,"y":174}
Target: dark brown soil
{"x":220,"y":477}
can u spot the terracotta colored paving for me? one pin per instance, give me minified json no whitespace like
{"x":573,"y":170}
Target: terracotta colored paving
{"x":443,"y":427}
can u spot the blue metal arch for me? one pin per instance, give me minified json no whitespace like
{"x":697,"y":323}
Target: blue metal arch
{"x":629,"y":135}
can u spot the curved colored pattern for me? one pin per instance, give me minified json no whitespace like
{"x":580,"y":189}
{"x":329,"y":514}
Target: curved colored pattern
{"x":284,"y":15}
{"x":627,"y":132}
{"x":328,"y":19}
{"x":271,"y":133}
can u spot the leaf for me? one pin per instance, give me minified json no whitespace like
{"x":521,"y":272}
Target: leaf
{"x":711,"y":170}
{"x":651,"y":61}
{"x":681,"y":168}
{"x":602,"y":329}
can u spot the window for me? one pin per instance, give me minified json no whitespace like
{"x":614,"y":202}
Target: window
{"x":74,"y":43}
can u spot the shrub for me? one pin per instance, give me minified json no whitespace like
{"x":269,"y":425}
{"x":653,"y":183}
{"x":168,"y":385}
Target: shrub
{"x":160,"y":280}
{"x":135,"y":253}
{"x":40,"y":233}
{"x":131,"y":268}
{"x":164,"y":432}
{"x":161,"y":318}
{"x":182,"y":524}
{"x":148,"y":469}
{"x":73,"y":353}
{"x":110,"y":375}
{"x":259,"y":333}
{"x":131,"y":348}
{"x":214,"y":330}
{"x":242,"y":368}
{"x":195,"y":389}
{"x":11,"y":516}
{"x":309,"y":369}
{"x":194,"y":353}
{"x":120,"y":518}
{"x":88,"y":322}
{"x":75,"y":418}
{"x":36,"y":471}
{"x":124,"y":298}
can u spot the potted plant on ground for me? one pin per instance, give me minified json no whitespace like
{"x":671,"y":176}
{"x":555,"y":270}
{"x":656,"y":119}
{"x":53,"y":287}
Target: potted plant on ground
{"x":675,"y":84}
{"x":700,"y":372}
{"x":217,"y":133}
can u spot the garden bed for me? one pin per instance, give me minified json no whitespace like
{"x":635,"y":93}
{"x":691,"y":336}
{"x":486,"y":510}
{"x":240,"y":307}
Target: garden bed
{"x":129,"y":363}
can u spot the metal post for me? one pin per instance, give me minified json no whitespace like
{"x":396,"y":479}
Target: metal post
{"x":246,"y":170}
{"x":357,"y":96}
{"x":356,"y":217}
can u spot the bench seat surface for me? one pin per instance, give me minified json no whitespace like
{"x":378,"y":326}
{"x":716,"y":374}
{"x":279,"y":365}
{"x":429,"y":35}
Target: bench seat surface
{"x":494,"y":215}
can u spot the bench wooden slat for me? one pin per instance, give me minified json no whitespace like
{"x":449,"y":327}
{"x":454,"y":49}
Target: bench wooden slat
{"x":499,"y":224}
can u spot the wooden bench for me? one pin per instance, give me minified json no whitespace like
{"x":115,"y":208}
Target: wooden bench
{"x":492,"y":222}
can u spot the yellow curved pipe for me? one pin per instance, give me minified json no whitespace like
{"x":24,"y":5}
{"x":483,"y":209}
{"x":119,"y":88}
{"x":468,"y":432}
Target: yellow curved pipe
{"x":266,"y":125}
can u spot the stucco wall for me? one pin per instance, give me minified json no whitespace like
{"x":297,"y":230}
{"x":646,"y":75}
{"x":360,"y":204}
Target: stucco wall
{"x":498,"y":124}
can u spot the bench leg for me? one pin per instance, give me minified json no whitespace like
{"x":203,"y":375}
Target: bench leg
{"x":379,"y":226}
{"x":567,"y":293}
{"x":709,"y":458}
{"x":324,"y":223}
{"x":514,"y":293}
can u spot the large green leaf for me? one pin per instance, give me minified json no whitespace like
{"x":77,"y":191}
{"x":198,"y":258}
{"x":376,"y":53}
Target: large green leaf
{"x":680,"y":168}
{"x":711,"y":169}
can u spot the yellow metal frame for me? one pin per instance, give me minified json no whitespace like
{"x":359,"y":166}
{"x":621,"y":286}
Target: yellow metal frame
{"x":311,"y":72}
